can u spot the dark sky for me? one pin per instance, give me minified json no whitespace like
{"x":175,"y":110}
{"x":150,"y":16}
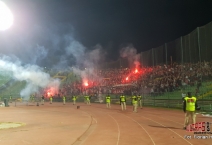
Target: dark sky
{"x":115,"y":23}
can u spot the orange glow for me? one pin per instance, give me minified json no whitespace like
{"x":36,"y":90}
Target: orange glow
{"x":136,"y":70}
{"x":86,"y":84}
{"x":127,"y":78}
{"x":51,"y":91}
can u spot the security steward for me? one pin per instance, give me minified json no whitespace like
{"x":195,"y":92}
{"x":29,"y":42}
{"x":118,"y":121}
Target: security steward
{"x":33,"y":98}
{"x":11,"y":99}
{"x":64,"y":99}
{"x":51,"y":98}
{"x":107,"y":100}
{"x":189,"y":107}
{"x":123,"y":102}
{"x":135,"y":105}
{"x":74,"y":98}
{"x":139,"y":99}
{"x":133,"y":98}
{"x":88,"y":102}
{"x":42,"y":100}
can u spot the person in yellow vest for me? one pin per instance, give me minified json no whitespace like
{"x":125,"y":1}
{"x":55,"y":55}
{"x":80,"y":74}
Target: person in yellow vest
{"x":87,"y":98}
{"x":189,"y":107}
{"x":107,"y":100}
{"x":64,"y":100}
{"x":123,"y":102}
{"x":132,"y":100}
{"x":139,"y":99}
{"x":33,"y":98}
{"x":51,"y":98}
{"x":10,"y":98}
{"x":135,"y":104}
{"x":74,"y":98}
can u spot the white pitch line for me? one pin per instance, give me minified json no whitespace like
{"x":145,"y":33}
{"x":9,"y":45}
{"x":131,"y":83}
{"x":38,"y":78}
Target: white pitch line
{"x":143,"y":129}
{"x":168,"y":119}
{"x":95,"y":120}
{"x":118,"y":129}
{"x":87,"y":128}
{"x":168,"y":129}
{"x":87,"y":135}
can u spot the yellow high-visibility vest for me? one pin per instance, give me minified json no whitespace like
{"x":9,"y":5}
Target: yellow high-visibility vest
{"x":74,"y":98}
{"x":133,"y":98}
{"x":190,"y":103}
{"x":122,"y":98}
{"x":87,"y":98}
{"x":135,"y":102}
{"x":108,"y":99}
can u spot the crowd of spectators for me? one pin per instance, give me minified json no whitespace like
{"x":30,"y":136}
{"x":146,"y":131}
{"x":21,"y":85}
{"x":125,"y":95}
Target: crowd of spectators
{"x":157,"y":79}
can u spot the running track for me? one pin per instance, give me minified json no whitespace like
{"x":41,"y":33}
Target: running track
{"x":57,"y":124}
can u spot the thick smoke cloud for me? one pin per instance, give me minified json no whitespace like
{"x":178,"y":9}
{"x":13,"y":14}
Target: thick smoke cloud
{"x":130,"y":53}
{"x":90,"y":61}
{"x":34,"y":76}
{"x":53,"y":47}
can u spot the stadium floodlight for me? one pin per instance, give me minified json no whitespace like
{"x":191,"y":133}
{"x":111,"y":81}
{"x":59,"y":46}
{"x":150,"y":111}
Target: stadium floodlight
{"x":6,"y":17}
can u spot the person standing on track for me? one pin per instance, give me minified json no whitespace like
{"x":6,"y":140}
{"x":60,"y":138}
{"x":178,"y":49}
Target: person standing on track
{"x":123,"y":102}
{"x":42,"y":100}
{"x":87,"y":97}
{"x":132,"y":100}
{"x":107,"y":100}
{"x":135,"y":105}
{"x":74,"y":98}
{"x":189,"y":107}
{"x":139,"y":99}
{"x":51,"y":98}
{"x":64,"y":99}
{"x":33,"y":98}
{"x":10,"y":99}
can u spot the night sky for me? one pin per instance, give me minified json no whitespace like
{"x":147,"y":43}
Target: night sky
{"x":112,"y":24}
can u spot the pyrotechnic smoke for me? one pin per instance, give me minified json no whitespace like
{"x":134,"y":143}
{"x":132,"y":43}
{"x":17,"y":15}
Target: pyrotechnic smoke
{"x":32,"y":74}
{"x":90,"y":61}
{"x":130,"y":53}
{"x":53,"y":47}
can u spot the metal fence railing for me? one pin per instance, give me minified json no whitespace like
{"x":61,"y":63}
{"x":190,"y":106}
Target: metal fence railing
{"x":191,"y":48}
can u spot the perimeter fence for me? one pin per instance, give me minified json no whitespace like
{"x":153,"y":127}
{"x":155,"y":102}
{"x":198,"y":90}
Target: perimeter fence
{"x":192,"y":48}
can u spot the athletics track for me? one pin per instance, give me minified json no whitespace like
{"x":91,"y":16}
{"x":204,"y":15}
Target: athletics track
{"x":58,"y":124}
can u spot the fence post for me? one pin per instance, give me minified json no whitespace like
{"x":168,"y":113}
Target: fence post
{"x":154,"y":100}
{"x":166,"y":52}
{"x":181,"y":46}
{"x":199,"y":44}
{"x":189,"y":47}
{"x":168,"y":100}
{"x":143,"y":99}
{"x":153,"y":58}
